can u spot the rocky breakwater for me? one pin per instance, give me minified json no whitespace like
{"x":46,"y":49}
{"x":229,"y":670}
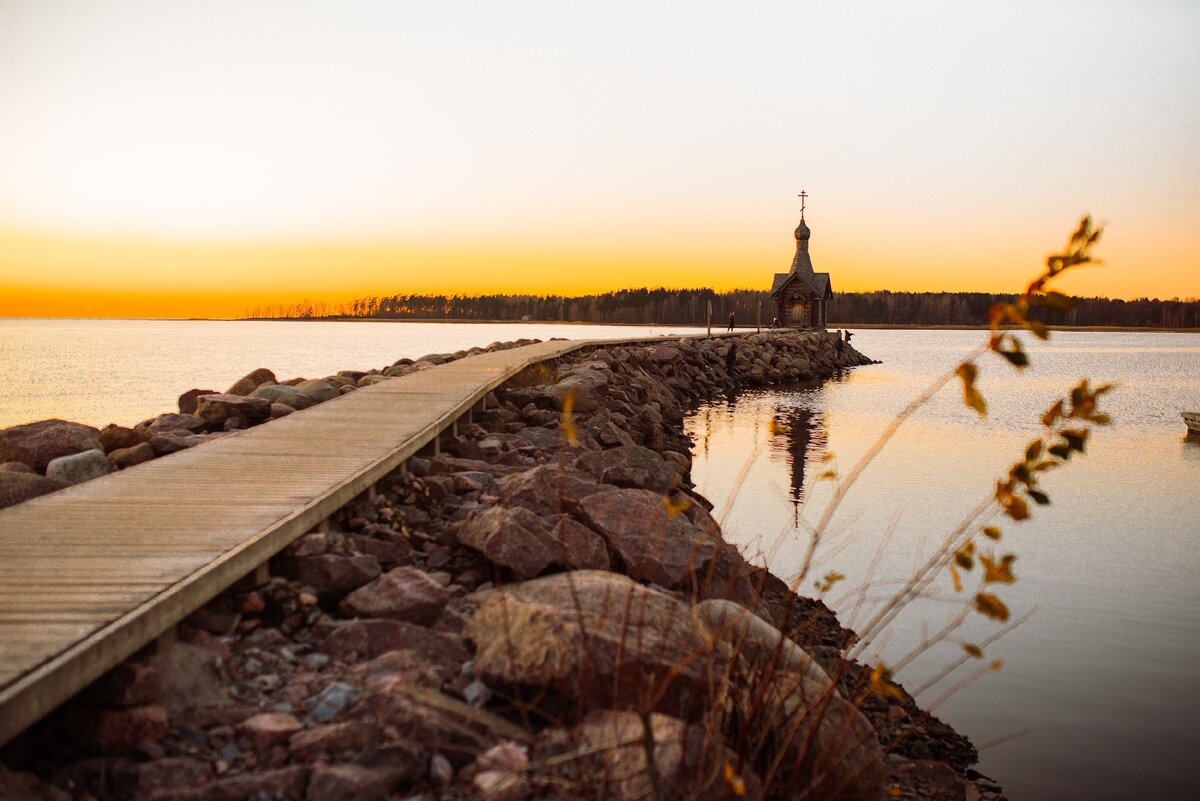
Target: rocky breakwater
{"x":47,"y":455}
{"x":543,"y":610}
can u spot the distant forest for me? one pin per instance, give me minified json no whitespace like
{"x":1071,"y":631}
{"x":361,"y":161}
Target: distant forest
{"x":687,"y":307}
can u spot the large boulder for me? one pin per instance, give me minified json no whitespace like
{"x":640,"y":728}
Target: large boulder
{"x":546,"y":490}
{"x":784,"y":701}
{"x":576,"y":388}
{"x":404,"y":593}
{"x":631,"y":466}
{"x":128,"y":457}
{"x":758,"y":644}
{"x":318,"y":390}
{"x":173,"y":442}
{"x":175,"y":422}
{"x":653,"y":538}
{"x":188,"y":401}
{"x":285,"y":394}
{"x":823,"y":745}
{"x":19,"y":487}
{"x":36,"y":444}
{"x":114,"y":438}
{"x":595,"y":638}
{"x":79,"y":467}
{"x":251,"y":381}
{"x":517,"y":539}
{"x":511,"y":538}
{"x":216,"y":409}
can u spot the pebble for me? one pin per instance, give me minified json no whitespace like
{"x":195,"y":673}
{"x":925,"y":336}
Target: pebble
{"x":331,"y":701}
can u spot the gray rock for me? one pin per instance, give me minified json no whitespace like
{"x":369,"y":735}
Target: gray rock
{"x":330,"y":702}
{"x":285,"y":394}
{"x":79,"y":467}
{"x":176,"y":422}
{"x":318,"y":390}
{"x":173,"y":442}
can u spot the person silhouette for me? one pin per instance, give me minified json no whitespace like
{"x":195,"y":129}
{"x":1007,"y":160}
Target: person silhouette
{"x":731,"y":321}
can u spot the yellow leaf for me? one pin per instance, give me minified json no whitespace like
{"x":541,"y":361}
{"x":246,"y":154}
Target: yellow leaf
{"x":991,"y":606}
{"x":568,"y":423}
{"x":1052,"y":414}
{"x":881,"y":683}
{"x":954,"y":577}
{"x":965,"y":557}
{"x":999,"y":663}
{"x":991,"y":532}
{"x":830,"y":578}
{"x":973,"y":650}
{"x":1017,"y":509}
{"x":735,"y":782}
{"x":967,"y":371}
{"x":672,"y":508}
{"x":894,"y":791}
{"x":997,"y":572}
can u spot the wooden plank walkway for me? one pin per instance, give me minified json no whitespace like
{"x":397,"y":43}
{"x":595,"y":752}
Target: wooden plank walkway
{"x":92,"y":573}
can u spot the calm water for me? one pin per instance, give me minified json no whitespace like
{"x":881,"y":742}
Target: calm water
{"x":123,"y":371}
{"x":1102,"y":683}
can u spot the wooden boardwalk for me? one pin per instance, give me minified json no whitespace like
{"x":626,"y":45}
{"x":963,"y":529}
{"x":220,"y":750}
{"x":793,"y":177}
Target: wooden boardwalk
{"x":92,"y":573}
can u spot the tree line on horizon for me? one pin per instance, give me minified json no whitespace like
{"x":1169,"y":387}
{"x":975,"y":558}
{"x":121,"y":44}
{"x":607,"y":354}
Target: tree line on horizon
{"x":688,"y":307}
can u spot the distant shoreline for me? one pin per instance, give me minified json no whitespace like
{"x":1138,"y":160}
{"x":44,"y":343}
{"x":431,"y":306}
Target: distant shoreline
{"x":1132,"y":329}
{"x":721,"y":325}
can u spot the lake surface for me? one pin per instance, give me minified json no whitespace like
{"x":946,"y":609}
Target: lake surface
{"x":1099,"y":693}
{"x":124,"y":371}
{"x":1102,"y":681}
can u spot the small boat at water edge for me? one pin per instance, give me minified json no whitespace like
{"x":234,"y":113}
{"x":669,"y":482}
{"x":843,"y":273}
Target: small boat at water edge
{"x":1192,"y":419}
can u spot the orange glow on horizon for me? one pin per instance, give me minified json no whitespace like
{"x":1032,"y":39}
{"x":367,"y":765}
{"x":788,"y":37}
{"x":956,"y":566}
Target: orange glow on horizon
{"x":47,"y":275}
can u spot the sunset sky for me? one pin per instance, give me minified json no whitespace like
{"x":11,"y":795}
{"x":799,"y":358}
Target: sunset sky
{"x":163,"y":158}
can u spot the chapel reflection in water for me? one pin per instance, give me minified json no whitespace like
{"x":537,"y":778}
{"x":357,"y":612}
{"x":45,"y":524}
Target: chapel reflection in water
{"x":800,"y":437}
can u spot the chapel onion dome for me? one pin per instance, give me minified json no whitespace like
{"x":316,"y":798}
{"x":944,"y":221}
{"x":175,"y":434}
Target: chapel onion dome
{"x":802,"y":231}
